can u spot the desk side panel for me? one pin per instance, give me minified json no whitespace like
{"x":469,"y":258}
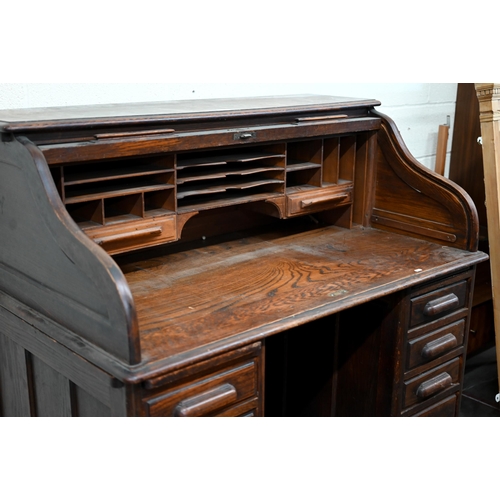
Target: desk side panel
{"x":411,"y":199}
{"x":47,"y":262}
{"x":41,"y":377}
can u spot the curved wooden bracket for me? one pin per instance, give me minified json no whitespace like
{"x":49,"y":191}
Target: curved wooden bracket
{"x":182,"y":220}
{"x":279,"y":204}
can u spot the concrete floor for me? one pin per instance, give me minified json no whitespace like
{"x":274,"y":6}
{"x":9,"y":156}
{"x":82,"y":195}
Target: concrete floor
{"x":480,"y":386}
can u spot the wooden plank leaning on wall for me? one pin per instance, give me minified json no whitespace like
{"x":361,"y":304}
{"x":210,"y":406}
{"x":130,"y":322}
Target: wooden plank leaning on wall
{"x":488,"y":95}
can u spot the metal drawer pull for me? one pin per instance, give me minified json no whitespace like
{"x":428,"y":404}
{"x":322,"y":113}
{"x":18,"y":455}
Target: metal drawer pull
{"x":439,"y":346}
{"x":441,"y":305}
{"x":245,"y":136}
{"x":323,"y":199}
{"x":207,"y":402}
{"x":435,"y":385}
{"x":151,"y":231}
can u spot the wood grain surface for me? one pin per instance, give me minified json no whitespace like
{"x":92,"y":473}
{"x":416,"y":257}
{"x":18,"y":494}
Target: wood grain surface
{"x":260,"y":284}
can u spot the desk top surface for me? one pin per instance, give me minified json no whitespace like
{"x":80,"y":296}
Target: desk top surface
{"x":17,"y":120}
{"x":252,"y":287}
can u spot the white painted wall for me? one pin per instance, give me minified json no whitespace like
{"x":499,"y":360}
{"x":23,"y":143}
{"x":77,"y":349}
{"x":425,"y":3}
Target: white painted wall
{"x":417,"y":108}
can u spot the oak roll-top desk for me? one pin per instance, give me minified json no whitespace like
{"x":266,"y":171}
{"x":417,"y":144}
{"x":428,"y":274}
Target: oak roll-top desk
{"x":270,"y":257}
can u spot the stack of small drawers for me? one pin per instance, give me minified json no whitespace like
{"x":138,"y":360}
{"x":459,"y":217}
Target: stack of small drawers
{"x":435,"y":348}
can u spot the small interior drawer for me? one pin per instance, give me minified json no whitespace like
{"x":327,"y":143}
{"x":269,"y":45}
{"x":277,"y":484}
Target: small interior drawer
{"x":437,"y":304}
{"x":432,"y":383}
{"x":434,"y":344}
{"x":211,"y":395}
{"x":305,"y":202}
{"x":127,"y":236}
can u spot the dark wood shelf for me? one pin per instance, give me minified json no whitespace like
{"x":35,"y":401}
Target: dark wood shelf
{"x":71,"y":179}
{"x":97,"y":193}
{"x":209,"y":161}
{"x":222,"y":188}
{"x":224,"y":173}
{"x":222,"y":200}
{"x":302,"y":166}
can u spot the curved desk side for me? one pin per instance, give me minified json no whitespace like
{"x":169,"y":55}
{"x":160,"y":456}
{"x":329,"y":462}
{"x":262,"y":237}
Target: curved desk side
{"x":420,"y":202}
{"x":48,"y":263}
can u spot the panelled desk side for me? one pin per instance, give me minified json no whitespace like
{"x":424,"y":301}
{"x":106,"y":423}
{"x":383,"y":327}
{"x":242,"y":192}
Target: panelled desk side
{"x":253,"y":257}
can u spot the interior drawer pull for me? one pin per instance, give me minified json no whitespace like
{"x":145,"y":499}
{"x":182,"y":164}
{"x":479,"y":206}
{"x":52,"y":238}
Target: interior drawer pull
{"x":441,"y":305}
{"x":435,"y":385}
{"x":150,"y":231}
{"x":207,"y":402}
{"x":322,"y":199}
{"x":439,"y":346}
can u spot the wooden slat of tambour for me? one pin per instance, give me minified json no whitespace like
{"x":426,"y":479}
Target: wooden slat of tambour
{"x":489,"y":114}
{"x":183,"y":302}
{"x":14,"y":380}
{"x":51,"y":391}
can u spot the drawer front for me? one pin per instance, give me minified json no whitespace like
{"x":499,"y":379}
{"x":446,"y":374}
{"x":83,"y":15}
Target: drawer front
{"x":435,"y":344}
{"x":318,"y":199}
{"x":246,"y":409}
{"x":432,"y":383}
{"x":446,"y":408}
{"x":437,"y":304}
{"x":211,"y":395}
{"x":129,"y":236}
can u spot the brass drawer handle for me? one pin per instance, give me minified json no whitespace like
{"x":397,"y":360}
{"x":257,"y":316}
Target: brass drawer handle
{"x":323,"y":199}
{"x":439,"y":346}
{"x":441,"y":305}
{"x":207,"y":402}
{"x":435,"y":385}
{"x":151,"y":231}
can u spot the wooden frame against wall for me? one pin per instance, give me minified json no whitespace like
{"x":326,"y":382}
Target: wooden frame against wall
{"x":489,"y":108}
